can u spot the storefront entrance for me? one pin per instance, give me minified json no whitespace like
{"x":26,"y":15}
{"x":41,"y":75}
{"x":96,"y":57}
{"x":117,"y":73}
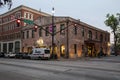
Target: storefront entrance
{"x":90,"y":49}
{"x":62,"y":50}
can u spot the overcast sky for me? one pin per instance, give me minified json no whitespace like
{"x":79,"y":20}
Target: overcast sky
{"x":92,"y":12}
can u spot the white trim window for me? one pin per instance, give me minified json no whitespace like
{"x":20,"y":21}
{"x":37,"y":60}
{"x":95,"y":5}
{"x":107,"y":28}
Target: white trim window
{"x":0,"y":21}
{"x":28,"y":15}
{"x":18,"y":15}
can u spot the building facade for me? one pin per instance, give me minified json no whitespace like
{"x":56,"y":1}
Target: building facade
{"x":72,"y":38}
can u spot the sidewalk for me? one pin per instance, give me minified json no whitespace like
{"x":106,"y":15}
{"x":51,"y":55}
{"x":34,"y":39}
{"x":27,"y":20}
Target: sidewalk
{"x":111,"y":58}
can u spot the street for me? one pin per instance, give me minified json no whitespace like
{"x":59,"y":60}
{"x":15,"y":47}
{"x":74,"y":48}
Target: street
{"x":106,"y":68}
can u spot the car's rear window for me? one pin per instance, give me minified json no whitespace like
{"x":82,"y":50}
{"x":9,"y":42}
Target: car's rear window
{"x":47,"y":51}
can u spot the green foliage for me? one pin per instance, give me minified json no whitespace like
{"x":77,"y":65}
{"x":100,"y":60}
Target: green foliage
{"x":112,"y":22}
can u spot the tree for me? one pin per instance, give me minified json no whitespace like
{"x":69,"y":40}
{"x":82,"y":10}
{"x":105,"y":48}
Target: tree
{"x":113,"y":23}
{"x":6,"y":2}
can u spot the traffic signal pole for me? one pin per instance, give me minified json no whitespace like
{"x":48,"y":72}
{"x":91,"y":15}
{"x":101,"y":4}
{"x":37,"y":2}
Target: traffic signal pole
{"x":53,"y":45}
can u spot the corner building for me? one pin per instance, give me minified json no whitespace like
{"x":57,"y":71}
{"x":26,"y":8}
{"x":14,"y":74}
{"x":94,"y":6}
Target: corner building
{"x":73,"y":38}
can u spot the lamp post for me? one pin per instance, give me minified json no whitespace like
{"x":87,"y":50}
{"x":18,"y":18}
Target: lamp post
{"x":67,"y":55}
{"x":53,"y":55}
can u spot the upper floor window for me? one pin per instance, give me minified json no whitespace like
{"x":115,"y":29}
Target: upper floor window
{"x":27,"y":34}
{"x":17,"y":15}
{"x":96,"y":35}
{"x":54,"y":29}
{"x":105,"y":37}
{"x":5,"y":20}
{"x":62,"y":29}
{"x":33,"y":35}
{"x":28,"y":15}
{"x":82,"y":32}
{"x":0,"y":21}
{"x":101,"y":38}
{"x":108,"y":38}
{"x":23,"y":35}
{"x":75,"y":29}
{"x":90,"y":34}
{"x":40,"y":32}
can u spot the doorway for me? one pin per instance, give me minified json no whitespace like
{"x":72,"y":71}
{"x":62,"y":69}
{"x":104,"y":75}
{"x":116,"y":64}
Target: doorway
{"x":62,"y":50}
{"x":91,"y":50}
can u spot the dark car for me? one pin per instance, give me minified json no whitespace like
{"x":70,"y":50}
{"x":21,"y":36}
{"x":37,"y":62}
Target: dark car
{"x":19,"y":55}
{"x":26,"y":56}
{"x":22,"y":56}
{"x":2,"y":54}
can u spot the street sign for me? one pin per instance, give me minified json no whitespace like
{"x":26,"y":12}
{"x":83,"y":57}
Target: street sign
{"x":28,"y":21}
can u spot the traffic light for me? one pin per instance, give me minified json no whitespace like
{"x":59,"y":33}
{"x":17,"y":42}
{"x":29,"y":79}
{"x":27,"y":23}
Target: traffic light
{"x":35,"y":28}
{"x":18,"y":22}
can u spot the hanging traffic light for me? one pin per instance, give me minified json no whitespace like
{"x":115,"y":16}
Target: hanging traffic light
{"x":35,"y":28}
{"x":18,"y":22}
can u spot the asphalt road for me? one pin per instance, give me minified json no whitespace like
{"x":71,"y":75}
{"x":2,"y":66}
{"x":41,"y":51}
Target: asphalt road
{"x":107,"y":68}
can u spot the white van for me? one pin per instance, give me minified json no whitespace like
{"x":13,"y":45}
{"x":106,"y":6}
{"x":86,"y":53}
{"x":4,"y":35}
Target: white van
{"x":40,"y":53}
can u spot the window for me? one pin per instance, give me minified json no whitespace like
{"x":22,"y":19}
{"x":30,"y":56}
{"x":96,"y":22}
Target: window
{"x":75,"y":29}
{"x":105,"y":37}
{"x":47,"y":31}
{"x":5,"y":20}
{"x":90,"y":34}
{"x":62,"y":27}
{"x":17,"y":15}
{"x":82,"y":32}
{"x":28,"y":15}
{"x":23,"y":36}
{"x":33,"y":34}
{"x":27,"y":34}
{"x":75,"y":48}
{"x":40,"y":32}
{"x":101,"y":38}
{"x":0,"y":21}
{"x":108,"y":38}
{"x":96,"y":35}
{"x":54,"y":29}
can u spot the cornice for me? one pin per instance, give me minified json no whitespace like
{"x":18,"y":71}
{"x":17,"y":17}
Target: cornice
{"x":24,"y":8}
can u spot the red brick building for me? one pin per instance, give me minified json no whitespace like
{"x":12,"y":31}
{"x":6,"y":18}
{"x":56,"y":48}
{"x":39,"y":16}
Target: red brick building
{"x":72,"y":37}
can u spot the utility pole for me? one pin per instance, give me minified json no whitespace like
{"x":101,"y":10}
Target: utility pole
{"x":67,"y":54}
{"x":53,"y":54}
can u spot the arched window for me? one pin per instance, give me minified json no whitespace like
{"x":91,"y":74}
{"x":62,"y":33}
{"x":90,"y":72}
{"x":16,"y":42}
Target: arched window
{"x":62,"y":27}
{"x":101,"y":38}
{"x":90,"y":34}
{"x":82,"y":32}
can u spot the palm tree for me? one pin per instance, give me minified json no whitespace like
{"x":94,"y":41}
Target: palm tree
{"x":113,"y":23}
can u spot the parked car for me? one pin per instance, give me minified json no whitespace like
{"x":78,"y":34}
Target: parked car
{"x":2,"y":54}
{"x":10,"y":55}
{"x":19,"y":55}
{"x":22,"y":55}
{"x":40,"y":53}
{"x":26,"y":56}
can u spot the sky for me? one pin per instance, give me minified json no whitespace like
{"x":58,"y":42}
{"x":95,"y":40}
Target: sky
{"x":92,"y":12}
